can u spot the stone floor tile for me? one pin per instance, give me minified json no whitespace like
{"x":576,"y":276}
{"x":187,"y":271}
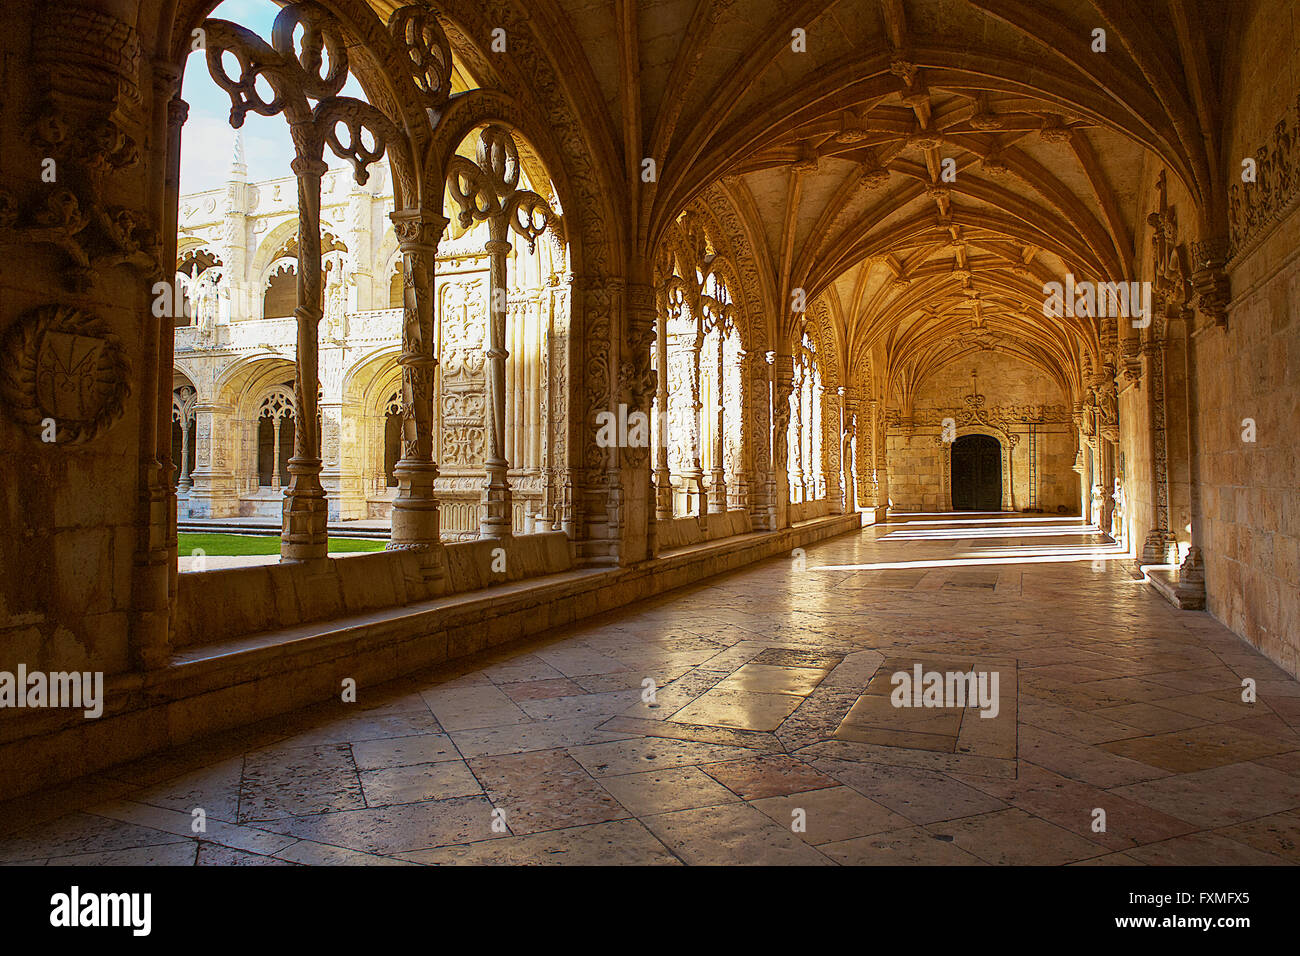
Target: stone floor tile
{"x":1072,"y":805}
{"x":910,"y":846}
{"x":214,"y":854}
{"x":672,"y":788}
{"x":767,"y":776}
{"x":830,"y":815}
{"x":650,"y":753}
{"x":1016,"y":838}
{"x":745,"y":710}
{"x":541,"y":689}
{"x":1278,"y":834}
{"x":922,"y":796}
{"x":1221,"y":796}
{"x":465,"y":708}
{"x":78,"y":834}
{"x":535,"y":735}
{"x":774,"y":679}
{"x":398,"y":829}
{"x":544,"y":790}
{"x":403,"y":751}
{"x":1203,"y":849}
{"x":616,"y":843}
{"x":731,"y":835}
{"x":417,"y":783}
{"x":298,"y":780}
{"x":1199,"y":748}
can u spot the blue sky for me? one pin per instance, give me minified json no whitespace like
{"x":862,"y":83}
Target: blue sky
{"x":207,"y":138}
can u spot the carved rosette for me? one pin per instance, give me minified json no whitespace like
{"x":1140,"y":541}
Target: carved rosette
{"x":63,"y":366}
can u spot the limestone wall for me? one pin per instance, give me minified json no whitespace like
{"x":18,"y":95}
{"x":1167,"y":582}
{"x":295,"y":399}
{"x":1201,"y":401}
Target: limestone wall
{"x":1251,"y":490}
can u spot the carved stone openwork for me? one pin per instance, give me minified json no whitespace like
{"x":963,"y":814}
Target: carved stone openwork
{"x":291,"y":65}
{"x":487,"y":190}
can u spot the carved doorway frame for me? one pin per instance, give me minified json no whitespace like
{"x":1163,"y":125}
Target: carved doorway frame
{"x":1007,"y":442}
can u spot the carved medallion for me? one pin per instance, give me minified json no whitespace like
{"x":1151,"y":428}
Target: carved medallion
{"x":63,"y":365}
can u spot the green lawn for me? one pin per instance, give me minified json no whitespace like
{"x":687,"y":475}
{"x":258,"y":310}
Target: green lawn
{"x":229,"y":544}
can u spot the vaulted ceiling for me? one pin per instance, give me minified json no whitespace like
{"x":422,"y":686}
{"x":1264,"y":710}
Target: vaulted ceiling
{"x":918,"y":168}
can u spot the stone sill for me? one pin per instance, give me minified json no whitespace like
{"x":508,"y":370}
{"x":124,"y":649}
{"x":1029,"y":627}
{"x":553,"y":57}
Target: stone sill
{"x":215,"y":687}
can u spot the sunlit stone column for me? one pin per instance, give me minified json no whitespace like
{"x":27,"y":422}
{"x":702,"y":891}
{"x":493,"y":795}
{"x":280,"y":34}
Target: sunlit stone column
{"x":663,"y":475}
{"x":783,"y":388}
{"x":1160,"y":547}
{"x":848,"y":448}
{"x":882,"y":460}
{"x":739,"y":491}
{"x":304,"y":536}
{"x":185,"y":483}
{"x":695,"y":470}
{"x":833,"y":428}
{"x":797,"y":476}
{"x":718,"y":477}
{"x":415,"y":517}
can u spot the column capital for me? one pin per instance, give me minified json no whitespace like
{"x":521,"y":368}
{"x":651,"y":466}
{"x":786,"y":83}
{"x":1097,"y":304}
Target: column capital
{"x":418,"y":228}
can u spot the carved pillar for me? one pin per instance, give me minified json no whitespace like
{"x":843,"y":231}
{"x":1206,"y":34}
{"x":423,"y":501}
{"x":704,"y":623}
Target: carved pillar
{"x":797,"y":483}
{"x":718,"y":478}
{"x":663,"y":475}
{"x":304,"y":536}
{"x":496,"y":521}
{"x":1191,"y":573}
{"x":167,"y":128}
{"x":833,"y":429}
{"x":882,"y":461}
{"x":1078,"y":467}
{"x":637,"y":386}
{"x":865,"y":452}
{"x":185,"y":483}
{"x":743,"y":461}
{"x":596,"y":497}
{"x":416,"y":522}
{"x":694,"y":472}
{"x":1160,"y":546}
{"x":758,"y":437}
{"x":1107,"y":430}
{"x":849,"y":449}
{"x":782,"y":389}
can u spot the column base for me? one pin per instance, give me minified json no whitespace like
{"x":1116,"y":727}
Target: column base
{"x":1160,"y":547}
{"x":304,"y":534}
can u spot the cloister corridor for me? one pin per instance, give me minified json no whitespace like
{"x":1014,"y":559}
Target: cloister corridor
{"x":770,"y":686}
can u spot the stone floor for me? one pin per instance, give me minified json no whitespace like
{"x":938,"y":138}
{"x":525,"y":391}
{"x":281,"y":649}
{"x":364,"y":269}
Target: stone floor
{"x":769,"y":737}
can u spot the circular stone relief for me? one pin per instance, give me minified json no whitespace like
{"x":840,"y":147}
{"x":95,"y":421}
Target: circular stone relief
{"x":63,"y":366}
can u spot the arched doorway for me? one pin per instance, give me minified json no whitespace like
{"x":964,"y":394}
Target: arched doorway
{"x":976,"y":473}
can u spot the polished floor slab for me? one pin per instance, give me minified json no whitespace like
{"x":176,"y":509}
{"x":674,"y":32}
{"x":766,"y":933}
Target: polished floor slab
{"x":757,"y":718}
